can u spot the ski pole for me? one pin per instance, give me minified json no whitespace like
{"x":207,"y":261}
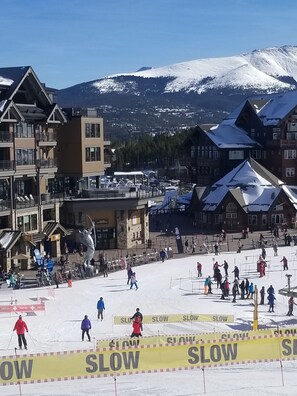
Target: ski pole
{"x":10,"y":340}
{"x":31,"y":338}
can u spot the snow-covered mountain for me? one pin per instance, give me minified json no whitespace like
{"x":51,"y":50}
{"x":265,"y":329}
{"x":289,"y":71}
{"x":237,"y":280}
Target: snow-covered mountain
{"x":186,"y":93}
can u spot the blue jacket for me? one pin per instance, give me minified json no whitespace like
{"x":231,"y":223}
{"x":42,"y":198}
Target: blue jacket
{"x":86,"y":324}
{"x":100,"y":304}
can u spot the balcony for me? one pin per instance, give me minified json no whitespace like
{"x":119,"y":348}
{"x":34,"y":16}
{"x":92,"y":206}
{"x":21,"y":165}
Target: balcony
{"x":46,"y":163}
{"x":5,"y":205}
{"x":46,"y":138}
{"x":6,"y":137}
{"x":25,"y":201}
{"x":84,"y":112}
{"x":6,"y":165}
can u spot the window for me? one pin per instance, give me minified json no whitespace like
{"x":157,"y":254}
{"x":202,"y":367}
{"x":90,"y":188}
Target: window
{"x":290,"y":154}
{"x":290,"y":172}
{"x":236,"y":154}
{"x":92,"y":130}
{"x":277,"y":219}
{"x":218,"y":218}
{"x":27,"y":223}
{"x":215,"y":154}
{"x":25,"y":157}
{"x":23,"y":130}
{"x":276,"y":136}
{"x":231,"y":215}
{"x":93,"y":154}
{"x":193,"y":151}
{"x":256,"y":154}
{"x":252,"y":219}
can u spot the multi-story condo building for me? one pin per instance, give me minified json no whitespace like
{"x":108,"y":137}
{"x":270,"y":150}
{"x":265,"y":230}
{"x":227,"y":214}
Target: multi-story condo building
{"x":262,"y":128}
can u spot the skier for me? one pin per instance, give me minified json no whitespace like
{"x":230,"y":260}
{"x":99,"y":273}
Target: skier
{"x":226,"y":266}
{"x":85,"y":328}
{"x":137,"y":328}
{"x":186,"y":246}
{"x":240,"y":245}
{"x":216,"y":248}
{"x":247,"y":285}
{"x":162,"y":255}
{"x":133,"y":281}
{"x":242,"y":289}
{"x":129,"y":274}
{"x":234,"y":292}
{"x":236,"y":272}
{"x":262,"y":294}
{"x":69,"y":279}
{"x":100,"y":308}
{"x":270,"y":290}
{"x":137,"y":314}
{"x":199,"y":269}
{"x":284,"y":260}
{"x":251,"y":290}
{"x":271,"y":298}
{"x":291,"y":304}
{"x":20,"y":327}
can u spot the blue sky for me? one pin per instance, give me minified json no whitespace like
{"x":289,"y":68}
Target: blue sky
{"x":71,"y":41}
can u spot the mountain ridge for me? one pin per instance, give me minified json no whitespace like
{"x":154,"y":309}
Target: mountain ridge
{"x":184,"y":94}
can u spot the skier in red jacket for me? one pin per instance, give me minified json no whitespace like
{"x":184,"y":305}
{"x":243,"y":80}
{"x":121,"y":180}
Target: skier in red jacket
{"x":20,"y":327}
{"x":137,"y":327}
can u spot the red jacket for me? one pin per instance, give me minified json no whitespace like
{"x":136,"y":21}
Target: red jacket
{"x":20,"y":326}
{"x":137,"y":327}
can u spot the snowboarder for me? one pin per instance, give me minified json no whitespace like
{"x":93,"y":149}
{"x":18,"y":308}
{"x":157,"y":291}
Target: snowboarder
{"x":100,"y":308}
{"x":20,"y":327}
{"x":85,"y":328}
{"x":133,"y":281}
{"x":199,"y":269}
{"x":262,"y":295}
{"x":291,"y":304}
{"x":137,"y":328}
{"x":284,"y":260}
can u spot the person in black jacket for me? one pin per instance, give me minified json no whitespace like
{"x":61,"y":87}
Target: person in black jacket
{"x":262,"y":295}
{"x":139,"y":315}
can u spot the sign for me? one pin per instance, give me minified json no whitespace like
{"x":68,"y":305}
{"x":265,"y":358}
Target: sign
{"x":55,"y":237}
{"x":22,"y":308}
{"x":177,"y":318}
{"x":195,"y":338}
{"x":102,"y":363}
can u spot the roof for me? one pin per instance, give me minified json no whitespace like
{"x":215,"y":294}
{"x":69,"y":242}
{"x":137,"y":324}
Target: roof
{"x":252,"y":186}
{"x":8,"y":238}
{"x":51,"y":227}
{"x":228,"y":135}
{"x":278,"y":107}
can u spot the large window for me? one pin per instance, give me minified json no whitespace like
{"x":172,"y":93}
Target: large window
{"x":92,"y":130}
{"x":93,"y":154}
{"x":23,"y":130}
{"x":290,"y":154}
{"x":27,"y":223}
{"x":25,"y":157}
{"x":252,"y":219}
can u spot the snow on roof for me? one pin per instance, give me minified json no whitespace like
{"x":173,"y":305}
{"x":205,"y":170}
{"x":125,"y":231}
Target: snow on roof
{"x":228,"y":135}
{"x":6,"y":81}
{"x":257,"y":192}
{"x":278,"y":107}
{"x":2,"y":104}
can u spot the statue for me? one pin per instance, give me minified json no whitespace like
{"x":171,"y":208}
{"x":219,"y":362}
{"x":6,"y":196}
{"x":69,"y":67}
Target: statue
{"x":87,"y":240}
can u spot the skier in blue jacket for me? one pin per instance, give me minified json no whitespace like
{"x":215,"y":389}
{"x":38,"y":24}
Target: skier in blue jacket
{"x":86,"y":327}
{"x":100,"y":308}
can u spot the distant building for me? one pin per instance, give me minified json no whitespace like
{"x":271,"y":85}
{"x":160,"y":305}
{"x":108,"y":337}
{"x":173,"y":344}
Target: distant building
{"x":262,"y":127}
{"x":249,"y":196}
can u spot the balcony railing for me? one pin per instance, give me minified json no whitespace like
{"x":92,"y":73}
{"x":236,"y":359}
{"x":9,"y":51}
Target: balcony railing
{"x":46,"y":163}
{"x":25,"y":201}
{"x":6,"y":165}
{"x":46,"y":137}
{"x":5,"y":137}
{"x":5,"y":204}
